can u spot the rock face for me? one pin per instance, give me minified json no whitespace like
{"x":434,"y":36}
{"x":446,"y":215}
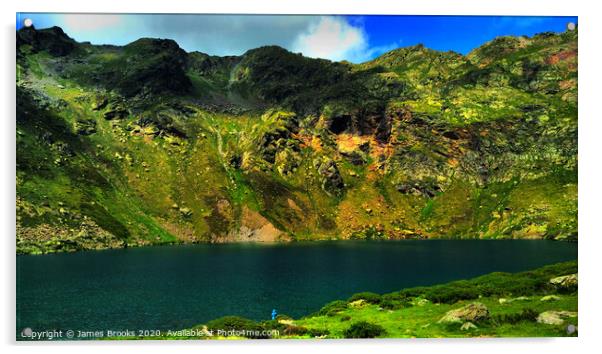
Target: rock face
{"x":100,"y":103}
{"x":566,"y":281}
{"x":46,"y":238}
{"x":279,"y":139}
{"x":332,"y":182}
{"x":473,"y":312}
{"x":53,"y":40}
{"x":85,"y":126}
{"x":254,"y":228}
{"x":115,"y":108}
{"x":555,"y":317}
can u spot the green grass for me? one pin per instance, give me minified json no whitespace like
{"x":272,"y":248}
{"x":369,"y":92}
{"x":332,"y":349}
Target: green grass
{"x":421,"y":321}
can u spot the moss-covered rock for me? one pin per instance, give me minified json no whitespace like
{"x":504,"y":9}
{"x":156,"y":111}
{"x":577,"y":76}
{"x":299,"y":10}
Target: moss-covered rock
{"x":473,"y":312}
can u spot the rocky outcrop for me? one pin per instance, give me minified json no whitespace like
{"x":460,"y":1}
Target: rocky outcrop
{"x":53,"y":40}
{"x":555,"y":317}
{"x":548,"y":298}
{"x":424,"y":188}
{"x":565,"y":282}
{"x":331,"y":180}
{"x":45,"y":238}
{"x":117,"y":109}
{"x":467,"y":326}
{"x":254,"y":228}
{"x":280,"y":137}
{"x":473,"y":312}
{"x":83,"y":126}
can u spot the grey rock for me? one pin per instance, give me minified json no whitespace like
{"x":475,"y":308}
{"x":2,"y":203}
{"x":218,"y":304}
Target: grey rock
{"x":467,"y":326}
{"x":555,"y":317}
{"x":473,"y":312}
{"x":565,"y":281}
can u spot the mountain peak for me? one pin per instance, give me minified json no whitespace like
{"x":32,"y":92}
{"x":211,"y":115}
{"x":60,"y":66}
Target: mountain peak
{"x":53,"y":39}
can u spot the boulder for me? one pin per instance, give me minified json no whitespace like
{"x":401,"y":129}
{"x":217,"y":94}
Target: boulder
{"x":355,"y":158}
{"x":565,"y":281}
{"x":100,"y":103}
{"x":473,"y":312}
{"x":85,"y":126}
{"x":555,"y":317}
{"x":186,"y":212}
{"x":116,"y":113}
{"x":420,"y":302}
{"x":550,"y":298}
{"x":357,"y":303}
{"x":520,"y":298}
{"x":503,"y":300}
{"x":467,"y":326}
{"x":427,"y":189}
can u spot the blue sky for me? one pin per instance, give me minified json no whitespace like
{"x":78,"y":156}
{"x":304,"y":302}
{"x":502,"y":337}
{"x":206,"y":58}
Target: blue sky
{"x":353,"y":38}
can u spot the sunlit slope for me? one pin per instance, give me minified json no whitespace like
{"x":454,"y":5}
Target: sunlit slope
{"x":147,"y":144}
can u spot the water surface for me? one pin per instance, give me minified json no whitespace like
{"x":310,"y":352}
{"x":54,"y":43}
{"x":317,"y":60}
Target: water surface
{"x":174,"y":287}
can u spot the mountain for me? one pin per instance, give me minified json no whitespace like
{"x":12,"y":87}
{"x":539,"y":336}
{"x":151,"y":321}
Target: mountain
{"x":148,"y":144}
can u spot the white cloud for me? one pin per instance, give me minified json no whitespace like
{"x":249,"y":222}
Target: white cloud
{"x":331,"y":38}
{"x":336,"y":39}
{"x":90,"y":22}
{"x":226,"y":34}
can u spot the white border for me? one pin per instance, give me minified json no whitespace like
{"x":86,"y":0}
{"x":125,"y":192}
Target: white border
{"x":432,"y":7}
{"x":590,"y":150}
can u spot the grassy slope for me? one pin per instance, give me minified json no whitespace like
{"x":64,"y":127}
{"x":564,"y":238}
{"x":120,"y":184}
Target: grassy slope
{"x":415,"y":319}
{"x":479,"y":146}
{"x":421,"y":321}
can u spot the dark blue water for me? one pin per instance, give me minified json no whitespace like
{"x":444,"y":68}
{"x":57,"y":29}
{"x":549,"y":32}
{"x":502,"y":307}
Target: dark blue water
{"x":181,"y":286}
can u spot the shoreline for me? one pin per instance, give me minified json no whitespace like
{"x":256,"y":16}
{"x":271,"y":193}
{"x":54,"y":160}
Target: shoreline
{"x":287,"y":242}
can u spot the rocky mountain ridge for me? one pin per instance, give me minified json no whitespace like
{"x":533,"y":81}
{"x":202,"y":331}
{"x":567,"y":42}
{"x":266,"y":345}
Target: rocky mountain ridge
{"x":147,"y":144}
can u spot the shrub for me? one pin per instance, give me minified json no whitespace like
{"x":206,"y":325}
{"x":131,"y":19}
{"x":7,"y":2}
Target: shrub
{"x":453,"y":292}
{"x":234,"y":323}
{"x":273,"y":324}
{"x":369,"y":233}
{"x":364,"y":329}
{"x":318,"y":332}
{"x":292,"y":330}
{"x":283,"y":317}
{"x":367,"y":296}
{"x":494,"y":284}
{"x":526,"y":314}
{"x":395,"y":301}
{"x":332,"y":308}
